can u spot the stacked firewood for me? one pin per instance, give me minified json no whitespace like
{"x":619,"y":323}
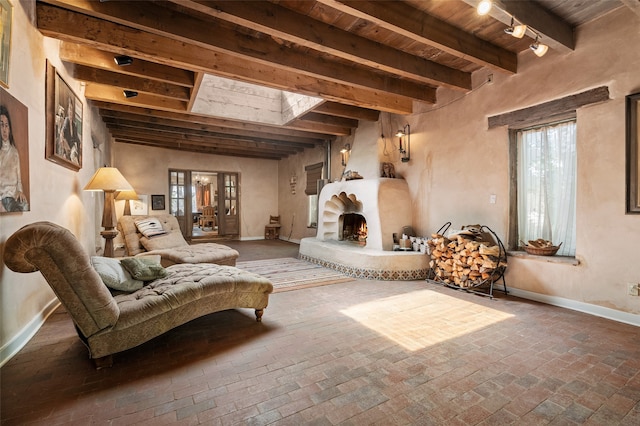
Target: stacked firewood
{"x":464,"y":261}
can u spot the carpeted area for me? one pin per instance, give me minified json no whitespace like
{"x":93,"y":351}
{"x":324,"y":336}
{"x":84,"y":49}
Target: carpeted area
{"x":289,"y":273}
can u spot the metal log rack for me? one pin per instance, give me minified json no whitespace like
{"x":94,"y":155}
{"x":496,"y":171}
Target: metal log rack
{"x":487,"y":284}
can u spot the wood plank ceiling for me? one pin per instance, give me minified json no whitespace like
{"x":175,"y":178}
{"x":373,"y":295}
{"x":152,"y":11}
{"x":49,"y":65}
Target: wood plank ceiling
{"x":359,"y":57}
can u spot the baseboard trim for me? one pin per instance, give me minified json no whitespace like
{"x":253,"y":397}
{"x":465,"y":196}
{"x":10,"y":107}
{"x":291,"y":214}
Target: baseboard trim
{"x":22,"y":338}
{"x":587,"y":308}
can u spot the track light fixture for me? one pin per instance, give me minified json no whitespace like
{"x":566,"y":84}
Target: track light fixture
{"x":123,"y":60}
{"x":517,"y":31}
{"x":130,"y":93}
{"x":484,"y":7}
{"x":538,"y":48}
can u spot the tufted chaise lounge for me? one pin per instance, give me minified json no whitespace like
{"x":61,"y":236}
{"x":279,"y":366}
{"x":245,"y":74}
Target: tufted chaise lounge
{"x":110,"y":322}
{"x":172,"y":248}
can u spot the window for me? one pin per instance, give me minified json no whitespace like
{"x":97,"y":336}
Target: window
{"x":314,"y":175}
{"x":546,"y":184}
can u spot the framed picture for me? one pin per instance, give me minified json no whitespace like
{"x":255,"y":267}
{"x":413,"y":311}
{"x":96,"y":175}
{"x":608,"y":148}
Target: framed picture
{"x":6,"y":15}
{"x":140,"y":207}
{"x":64,"y":122}
{"x":157,"y":202}
{"x":14,"y":157}
{"x":633,"y":157}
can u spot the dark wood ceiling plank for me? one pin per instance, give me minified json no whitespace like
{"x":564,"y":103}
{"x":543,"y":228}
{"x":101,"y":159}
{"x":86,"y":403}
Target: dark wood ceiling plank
{"x":283,"y":23}
{"x":130,"y":82}
{"x":91,"y":57}
{"x":410,"y":22}
{"x":347,"y":111}
{"x":220,"y":37}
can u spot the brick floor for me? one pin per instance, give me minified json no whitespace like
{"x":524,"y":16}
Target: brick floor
{"x":361,"y":352}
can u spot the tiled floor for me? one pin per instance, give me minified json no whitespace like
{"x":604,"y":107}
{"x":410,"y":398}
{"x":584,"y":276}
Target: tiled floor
{"x":356,"y":353}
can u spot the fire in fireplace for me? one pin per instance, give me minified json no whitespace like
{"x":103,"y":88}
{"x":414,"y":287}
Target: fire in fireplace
{"x":353,"y":228}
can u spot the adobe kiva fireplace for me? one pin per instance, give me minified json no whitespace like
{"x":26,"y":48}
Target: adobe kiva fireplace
{"x":356,"y":223}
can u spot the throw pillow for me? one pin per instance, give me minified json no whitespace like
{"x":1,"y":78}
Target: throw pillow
{"x":114,"y":275}
{"x":171,"y":240}
{"x":150,"y":227}
{"x":144,"y":269}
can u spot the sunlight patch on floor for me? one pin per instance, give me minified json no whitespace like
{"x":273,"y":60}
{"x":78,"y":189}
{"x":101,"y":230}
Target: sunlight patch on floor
{"x":423,"y":318}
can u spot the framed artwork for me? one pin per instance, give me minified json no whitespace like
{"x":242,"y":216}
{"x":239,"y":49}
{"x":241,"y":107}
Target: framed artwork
{"x":140,"y":207}
{"x":6,"y":15}
{"x":64,"y":122}
{"x":633,"y":157}
{"x":14,"y":155}
{"x":157,"y":202}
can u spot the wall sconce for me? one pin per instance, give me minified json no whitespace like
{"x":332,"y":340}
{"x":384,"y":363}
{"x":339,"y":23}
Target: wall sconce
{"x":293,"y":180}
{"x":345,"y":152}
{"x":405,"y":149}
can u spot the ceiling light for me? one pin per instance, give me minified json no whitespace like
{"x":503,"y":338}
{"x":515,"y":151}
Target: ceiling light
{"x":484,"y":7}
{"x":123,"y":60}
{"x":538,"y":48}
{"x":130,"y":93}
{"x":517,"y":31}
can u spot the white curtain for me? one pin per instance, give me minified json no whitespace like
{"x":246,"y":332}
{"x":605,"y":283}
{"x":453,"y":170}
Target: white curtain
{"x":547,"y":185}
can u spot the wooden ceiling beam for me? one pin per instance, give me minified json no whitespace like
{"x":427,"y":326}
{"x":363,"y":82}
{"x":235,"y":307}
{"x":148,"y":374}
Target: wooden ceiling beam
{"x":160,"y":34}
{"x":204,"y":150}
{"x":347,"y":111}
{"x":329,"y":120}
{"x":154,"y":121}
{"x":286,"y":24}
{"x":130,"y":82}
{"x":95,"y":58}
{"x":406,"y":20}
{"x":100,"y":92}
{"x":108,"y":107}
{"x":183,"y":132}
{"x":123,"y":134}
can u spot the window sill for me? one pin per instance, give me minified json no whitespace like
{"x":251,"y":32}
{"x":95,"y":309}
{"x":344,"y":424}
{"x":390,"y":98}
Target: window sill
{"x":566,"y":260}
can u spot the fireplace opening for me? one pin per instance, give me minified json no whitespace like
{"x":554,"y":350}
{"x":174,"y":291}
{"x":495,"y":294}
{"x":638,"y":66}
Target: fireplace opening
{"x":354,"y":228}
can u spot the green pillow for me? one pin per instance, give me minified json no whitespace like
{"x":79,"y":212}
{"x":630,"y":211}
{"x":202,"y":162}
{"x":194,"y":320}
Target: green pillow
{"x":113,"y":275}
{"x":145,"y":269}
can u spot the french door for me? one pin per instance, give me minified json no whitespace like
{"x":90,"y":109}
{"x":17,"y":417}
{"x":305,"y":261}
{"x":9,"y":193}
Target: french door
{"x":182,"y":199}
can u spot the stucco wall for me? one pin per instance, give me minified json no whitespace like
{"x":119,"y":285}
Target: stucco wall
{"x":56,"y":193}
{"x":147,"y":168}
{"x":457,"y":163}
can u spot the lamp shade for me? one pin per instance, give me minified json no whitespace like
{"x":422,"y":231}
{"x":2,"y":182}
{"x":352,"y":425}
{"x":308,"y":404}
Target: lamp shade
{"x":108,"y":179}
{"x":127,"y":195}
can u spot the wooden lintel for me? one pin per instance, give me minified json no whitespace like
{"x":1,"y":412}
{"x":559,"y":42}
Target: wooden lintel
{"x":549,"y":109}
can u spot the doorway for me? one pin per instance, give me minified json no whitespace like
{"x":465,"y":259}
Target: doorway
{"x":206,"y":203}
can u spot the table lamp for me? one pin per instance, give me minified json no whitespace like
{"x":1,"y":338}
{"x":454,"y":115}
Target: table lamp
{"x":109,"y":180}
{"x":127,"y":196}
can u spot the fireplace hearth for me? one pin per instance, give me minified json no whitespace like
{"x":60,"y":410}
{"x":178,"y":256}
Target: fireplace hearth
{"x":356,"y":223}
